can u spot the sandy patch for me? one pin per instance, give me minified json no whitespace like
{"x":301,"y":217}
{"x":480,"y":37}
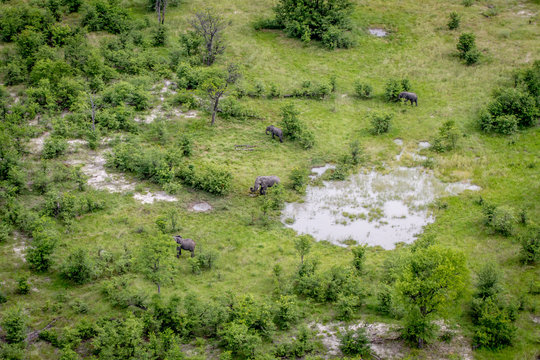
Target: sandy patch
{"x":201,"y":206}
{"x":100,"y":179}
{"x":36,"y":144}
{"x":150,"y":198}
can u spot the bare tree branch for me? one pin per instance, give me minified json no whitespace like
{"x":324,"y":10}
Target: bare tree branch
{"x":210,"y":27}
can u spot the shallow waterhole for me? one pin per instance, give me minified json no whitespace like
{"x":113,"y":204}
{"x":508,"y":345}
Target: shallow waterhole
{"x":378,"y":32}
{"x":370,"y":207}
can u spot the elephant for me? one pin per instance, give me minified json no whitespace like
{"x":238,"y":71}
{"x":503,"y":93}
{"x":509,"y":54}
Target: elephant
{"x":409,"y":96}
{"x":264,"y":182}
{"x":184,"y":244}
{"x":275,"y":131}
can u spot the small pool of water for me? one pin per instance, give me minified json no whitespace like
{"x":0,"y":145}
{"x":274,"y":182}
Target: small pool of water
{"x":320,"y":170}
{"x":371,"y":208}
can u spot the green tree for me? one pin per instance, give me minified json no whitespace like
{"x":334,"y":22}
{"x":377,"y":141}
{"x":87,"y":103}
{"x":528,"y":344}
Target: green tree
{"x":302,"y":244}
{"x":216,"y":85}
{"x":78,"y":267}
{"x":432,"y":278}
{"x":155,"y":259}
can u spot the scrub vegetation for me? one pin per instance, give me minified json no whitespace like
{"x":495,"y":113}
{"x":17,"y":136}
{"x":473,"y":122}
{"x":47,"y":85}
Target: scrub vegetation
{"x":106,"y":102}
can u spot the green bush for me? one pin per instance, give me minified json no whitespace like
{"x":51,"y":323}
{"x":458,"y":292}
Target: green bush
{"x":54,"y":147}
{"x":285,"y":312}
{"x":454,"y":21}
{"x":494,"y":329}
{"x":380,"y":122}
{"x":530,"y":248}
{"x":207,"y":177}
{"x":298,"y":348}
{"x":467,"y":50}
{"x":159,"y":37}
{"x":273,"y":200}
{"x":447,"y":138}
{"x":362,"y":90}
{"x":359,"y":257}
{"x":394,"y":88}
{"x":77,"y":267}
{"x":126,"y":93}
{"x":14,"y":19}
{"x":341,"y":172}
{"x":299,"y":178}
{"x":14,"y":325}
{"x":344,"y":307}
{"x":237,"y":338}
{"x":185,"y":144}
{"x":23,"y":287}
{"x":355,"y":343}
{"x":418,"y":329}
{"x":185,"y":99}
{"x":385,"y":301}
{"x":517,"y":103}
{"x":5,"y":232}
{"x":40,"y":252}
{"x":294,"y":128}
{"x":106,"y":15}
{"x":325,"y":21}
{"x":313,"y":90}
{"x":503,"y":220}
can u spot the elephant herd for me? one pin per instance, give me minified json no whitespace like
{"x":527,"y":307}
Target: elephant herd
{"x":264,"y":182}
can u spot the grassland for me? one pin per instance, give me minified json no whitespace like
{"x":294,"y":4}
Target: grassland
{"x":420,"y":48}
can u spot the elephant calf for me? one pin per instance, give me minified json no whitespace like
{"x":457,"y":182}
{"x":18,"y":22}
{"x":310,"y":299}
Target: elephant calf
{"x":184,"y":244}
{"x":275,"y":131}
{"x":409,"y":96}
{"x":264,"y":182}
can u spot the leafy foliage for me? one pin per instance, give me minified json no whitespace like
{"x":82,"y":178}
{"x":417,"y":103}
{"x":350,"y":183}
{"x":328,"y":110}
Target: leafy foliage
{"x":78,"y":267}
{"x":326,"y":21}
{"x":380,"y":122}
{"x":14,"y":324}
{"x":355,"y":342}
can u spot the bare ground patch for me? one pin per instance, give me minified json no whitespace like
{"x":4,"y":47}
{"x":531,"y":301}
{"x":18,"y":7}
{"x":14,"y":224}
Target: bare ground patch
{"x":386,"y":343}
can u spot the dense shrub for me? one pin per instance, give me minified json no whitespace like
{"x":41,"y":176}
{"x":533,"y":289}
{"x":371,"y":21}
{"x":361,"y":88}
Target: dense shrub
{"x":501,"y":219}
{"x":517,"y":103}
{"x":355,"y":342}
{"x":454,"y":21}
{"x":344,"y":307}
{"x":363,"y":90}
{"x":530,"y":247}
{"x":313,"y":90}
{"x":39,"y":253}
{"x":505,"y":124}
{"x":418,"y":329}
{"x":14,"y":324}
{"x":185,"y":99}
{"x":106,"y":15}
{"x":326,"y":21}
{"x":301,"y":345}
{"x":494,"y":329}
{"x":237,"y":338}
{"x":273,"y":199}
{"x":28,"y":42}
{"x":127,"y":93}
{"x":299,"y":178}
{"x":14,"y":19}
{"x":285,"y":312}
{"x":447,"y":138}
{"x":185,"y":143}
{"x":467,"y":50}
{"x":294,"y":128}
{"x":77,"y":267}
{"x":394,"y":87}
{"x":204,"y":260}
{"x":23,"y":287}
{"x":380,"y":122}
{"x":206,"y":177}
{"x":359,"y":257}
{"x":119,"y":339}
{"x":4,"y":232}
{"x":54,"y":147}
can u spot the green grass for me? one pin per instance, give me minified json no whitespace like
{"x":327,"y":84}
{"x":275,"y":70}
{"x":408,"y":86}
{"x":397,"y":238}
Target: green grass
{"x":419,"y":48}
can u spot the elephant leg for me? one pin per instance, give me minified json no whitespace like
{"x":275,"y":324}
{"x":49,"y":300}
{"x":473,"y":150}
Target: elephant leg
{"x":263,"y":190}
{"x":178,"y":252}
{"x":192,"y":253}
{"x":272,"y":135}
{"x":281,"y":139}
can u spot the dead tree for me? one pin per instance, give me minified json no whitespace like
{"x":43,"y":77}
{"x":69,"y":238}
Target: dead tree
{"x":161,"y":7}
{"x":209,"y":27}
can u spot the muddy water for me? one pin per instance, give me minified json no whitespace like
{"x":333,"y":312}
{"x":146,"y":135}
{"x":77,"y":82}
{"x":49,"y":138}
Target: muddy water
{"x":371,"y":208}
